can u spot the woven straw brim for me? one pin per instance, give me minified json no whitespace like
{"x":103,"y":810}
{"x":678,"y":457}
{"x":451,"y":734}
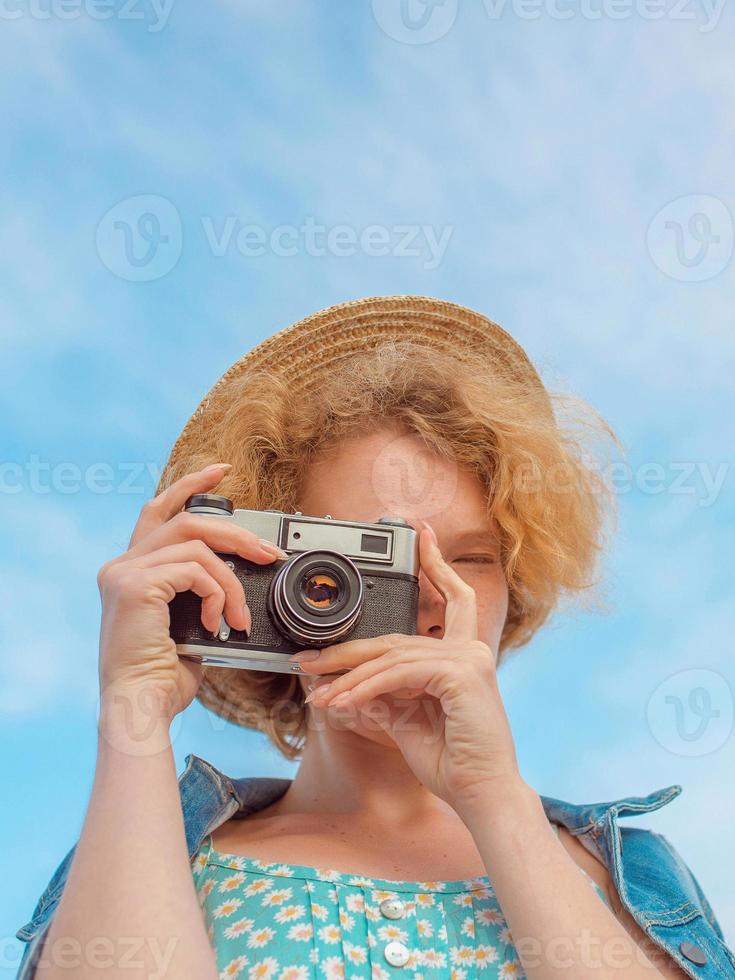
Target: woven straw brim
{"x":303,"y":355}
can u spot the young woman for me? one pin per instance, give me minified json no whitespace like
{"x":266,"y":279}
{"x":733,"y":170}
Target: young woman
{"x":408,"y":843}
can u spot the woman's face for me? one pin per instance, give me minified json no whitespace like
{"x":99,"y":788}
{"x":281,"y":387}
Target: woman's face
{"x":390,"y":472}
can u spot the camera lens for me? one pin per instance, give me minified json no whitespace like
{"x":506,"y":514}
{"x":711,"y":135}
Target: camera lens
{"x":320,"y":590}
{"x":316,"y":598}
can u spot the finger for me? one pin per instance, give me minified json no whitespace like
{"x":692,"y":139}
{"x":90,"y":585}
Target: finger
{"x":347,"y":681}
{"x":352,"y":653}
{"x":235,"y":609}
{"x":187,"y":575}
{"x":162,"y":508}
{"x":220,"y":534}
{"x":416,"y":676}
{"x":460,"y":614}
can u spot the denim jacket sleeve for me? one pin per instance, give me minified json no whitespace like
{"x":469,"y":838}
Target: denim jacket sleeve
{"x":34,"y":932}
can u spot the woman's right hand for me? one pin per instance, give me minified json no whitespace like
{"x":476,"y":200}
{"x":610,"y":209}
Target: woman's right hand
{"x":170,"y":551}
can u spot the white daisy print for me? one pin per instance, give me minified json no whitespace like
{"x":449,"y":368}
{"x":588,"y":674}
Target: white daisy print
{"x":277,"y":897}
{"x":354,"y":954}
{"x":263,"y":969}
{"x":346,"y":921}
{"x":360,"y":881}
{"x":433,"y":958}
{"x":355,"y":902}
{"x":289,"y":913}
{"x":490,"y":917}
{"x":330,"y":934}
{"x":334,"y":968}
{"x":234,"y":967}
{"x":460,"y":955}
{"x":511,"y":971}
{"x":326,"y":874}
{"x":232,"y":882}
{"x":257,"y":886}
{"x":238,"y":928}
{"x":485,"y":955}
{"x":227,"y":908}
{"x":378,"y":896}
{"x":260,"y":937}
{"x":234,"y":862}
{"x":393,"y":933}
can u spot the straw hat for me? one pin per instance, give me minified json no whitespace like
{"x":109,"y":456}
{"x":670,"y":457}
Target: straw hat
{"x":303,"y":354}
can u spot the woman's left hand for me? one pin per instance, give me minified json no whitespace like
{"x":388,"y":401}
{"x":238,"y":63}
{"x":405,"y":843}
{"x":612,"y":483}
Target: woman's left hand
{"x":438,"y":699}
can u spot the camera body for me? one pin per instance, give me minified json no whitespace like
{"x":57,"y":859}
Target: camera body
{"x":342,"y":580}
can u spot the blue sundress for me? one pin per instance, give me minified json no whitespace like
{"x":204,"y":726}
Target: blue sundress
{"x":295,"y":922}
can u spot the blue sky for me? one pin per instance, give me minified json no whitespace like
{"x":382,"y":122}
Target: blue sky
{"x":570,"y":176}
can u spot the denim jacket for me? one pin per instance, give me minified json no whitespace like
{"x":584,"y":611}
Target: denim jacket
{"x":653,"y":882}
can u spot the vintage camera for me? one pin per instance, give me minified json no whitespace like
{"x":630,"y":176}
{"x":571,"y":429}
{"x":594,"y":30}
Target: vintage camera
{"x":342,"y":580}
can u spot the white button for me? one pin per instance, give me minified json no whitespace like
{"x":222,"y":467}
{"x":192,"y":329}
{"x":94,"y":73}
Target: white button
{"x":396,"y":953}
{"x":392,"y":908}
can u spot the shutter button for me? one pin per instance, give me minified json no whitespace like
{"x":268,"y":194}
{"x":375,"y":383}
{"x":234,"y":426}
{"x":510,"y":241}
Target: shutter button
{"x":396,"y":953}
{"x":693,"y":953}
{"x":392,"y":908}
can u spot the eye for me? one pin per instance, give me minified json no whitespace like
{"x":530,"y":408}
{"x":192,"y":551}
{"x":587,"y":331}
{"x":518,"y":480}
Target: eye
{"x":481,"y":559}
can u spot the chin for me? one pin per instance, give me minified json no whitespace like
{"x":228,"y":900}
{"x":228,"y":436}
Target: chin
{"x":359,"y":723}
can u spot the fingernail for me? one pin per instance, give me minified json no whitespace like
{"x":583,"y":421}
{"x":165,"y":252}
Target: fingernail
{"x":304,"y":655}
{"x":271,"y":548}
{"x":248,"y":619}
{"x":217,"y":466}
{"x":320,"y":689}
{"x":432,"y":532}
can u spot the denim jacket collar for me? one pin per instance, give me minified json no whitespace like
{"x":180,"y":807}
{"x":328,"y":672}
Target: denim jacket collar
{"x":252,"y":793}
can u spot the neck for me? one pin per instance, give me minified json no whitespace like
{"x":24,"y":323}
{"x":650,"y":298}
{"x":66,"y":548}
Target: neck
{"x":346,"y":774}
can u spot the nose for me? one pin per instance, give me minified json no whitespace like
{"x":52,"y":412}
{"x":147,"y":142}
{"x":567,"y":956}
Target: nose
{"x":430,"y":619}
